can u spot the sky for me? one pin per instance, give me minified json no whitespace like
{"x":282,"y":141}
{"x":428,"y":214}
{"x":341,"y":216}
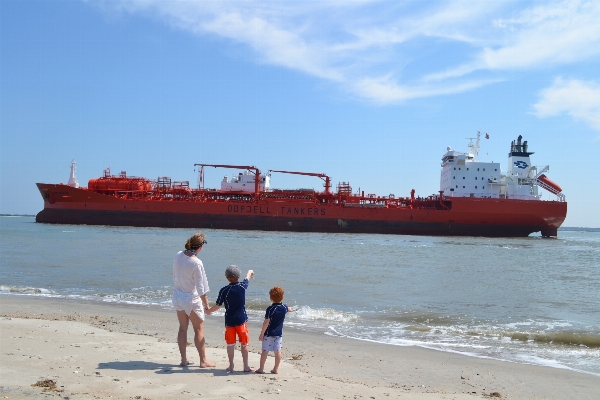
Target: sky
{"x":368,"y":92}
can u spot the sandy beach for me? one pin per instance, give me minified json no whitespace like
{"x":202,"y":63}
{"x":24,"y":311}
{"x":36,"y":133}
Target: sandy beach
{"x":88,"y":350}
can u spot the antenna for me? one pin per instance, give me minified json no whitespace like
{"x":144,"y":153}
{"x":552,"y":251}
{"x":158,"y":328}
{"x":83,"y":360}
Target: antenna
{"x":474,"y":148}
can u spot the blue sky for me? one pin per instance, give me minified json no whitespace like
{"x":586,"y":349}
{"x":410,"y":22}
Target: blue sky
{"x":370,"y":92}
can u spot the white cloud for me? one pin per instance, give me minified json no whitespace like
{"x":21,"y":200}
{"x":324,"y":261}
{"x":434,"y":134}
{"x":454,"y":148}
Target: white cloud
{"x":392,"y":51}
{"x":576,"y":98}
{"x":385,"y":90}
{"x":549,"y":34}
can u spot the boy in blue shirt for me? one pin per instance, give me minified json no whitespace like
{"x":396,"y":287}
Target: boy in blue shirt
{"x":272,"y":329}
{"x":236,"y":319}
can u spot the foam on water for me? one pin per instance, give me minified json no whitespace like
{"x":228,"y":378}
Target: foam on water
{"x":306,"y":313}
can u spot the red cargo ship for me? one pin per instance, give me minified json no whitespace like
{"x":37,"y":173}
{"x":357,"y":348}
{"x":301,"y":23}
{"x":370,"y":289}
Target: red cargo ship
{"x":475,"y":199}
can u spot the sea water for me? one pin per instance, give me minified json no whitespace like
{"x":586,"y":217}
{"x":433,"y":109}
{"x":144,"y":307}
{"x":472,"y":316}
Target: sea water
{"x":526,"y":300}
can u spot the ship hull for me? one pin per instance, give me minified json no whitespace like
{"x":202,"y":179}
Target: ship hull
{"x":466,"y":216}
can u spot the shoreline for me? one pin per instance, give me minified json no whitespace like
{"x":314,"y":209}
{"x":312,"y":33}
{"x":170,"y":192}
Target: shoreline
{"x":335,"y":366}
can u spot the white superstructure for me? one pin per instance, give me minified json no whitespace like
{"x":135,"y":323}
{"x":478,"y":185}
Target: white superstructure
{"x":244,"y":182}
{"x":463,"y":175}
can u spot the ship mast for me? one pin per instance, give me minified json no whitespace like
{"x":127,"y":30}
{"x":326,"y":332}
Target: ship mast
{"x":474,"y":148}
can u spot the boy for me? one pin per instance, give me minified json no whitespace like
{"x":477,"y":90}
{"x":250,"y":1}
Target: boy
{"x":272,"y":329}
{"x":236,"y":319}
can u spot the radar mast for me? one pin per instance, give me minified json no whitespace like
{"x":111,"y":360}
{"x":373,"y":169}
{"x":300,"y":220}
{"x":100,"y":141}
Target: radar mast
{"x":474,"y":148}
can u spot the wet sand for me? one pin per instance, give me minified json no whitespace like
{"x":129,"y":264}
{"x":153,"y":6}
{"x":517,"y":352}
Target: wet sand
{"x":92,"y":350}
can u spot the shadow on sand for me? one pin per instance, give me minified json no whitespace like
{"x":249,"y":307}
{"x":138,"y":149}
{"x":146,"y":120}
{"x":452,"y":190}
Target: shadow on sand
{"x":161,"y":368}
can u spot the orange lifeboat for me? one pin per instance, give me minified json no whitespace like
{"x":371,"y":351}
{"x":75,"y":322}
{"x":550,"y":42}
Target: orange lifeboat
{"x":553,"y":185}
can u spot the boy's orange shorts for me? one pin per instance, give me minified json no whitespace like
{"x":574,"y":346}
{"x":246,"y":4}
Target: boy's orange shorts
{"x":241,"y":331}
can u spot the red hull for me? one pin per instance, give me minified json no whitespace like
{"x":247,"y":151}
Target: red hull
{"x":459,"y":216}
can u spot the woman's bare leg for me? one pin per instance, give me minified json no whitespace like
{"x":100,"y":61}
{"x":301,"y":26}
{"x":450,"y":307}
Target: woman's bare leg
{"x":199,"y":341}
{"x":184,"y":322}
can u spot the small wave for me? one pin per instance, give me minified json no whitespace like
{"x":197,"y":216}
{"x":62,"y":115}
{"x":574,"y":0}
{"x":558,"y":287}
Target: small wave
{"x":257,"y":305}
{"x":307,"y":313}
{"x":24,"y":290}
{"x":568,"y":338}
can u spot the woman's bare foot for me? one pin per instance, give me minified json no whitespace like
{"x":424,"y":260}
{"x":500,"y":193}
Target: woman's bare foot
{"x":248,"y":369}
{"x":259,"y":371}
{"x":274,"y":371}
{"x":207,"y":364}
{"x":229,"y":369}
{"x":185,"y":363}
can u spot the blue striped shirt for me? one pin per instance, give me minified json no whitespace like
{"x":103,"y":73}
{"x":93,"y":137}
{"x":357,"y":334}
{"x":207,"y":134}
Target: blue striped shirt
{"x":276,"y":315}
{"x":234,"y":298}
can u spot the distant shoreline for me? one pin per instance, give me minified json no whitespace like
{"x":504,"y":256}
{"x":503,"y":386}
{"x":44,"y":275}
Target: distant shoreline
{"x":562,"y":228}
{"x":578,"y":229}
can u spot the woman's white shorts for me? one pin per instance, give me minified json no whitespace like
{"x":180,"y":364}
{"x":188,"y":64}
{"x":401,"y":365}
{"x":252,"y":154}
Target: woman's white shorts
{"x":188,"y":302}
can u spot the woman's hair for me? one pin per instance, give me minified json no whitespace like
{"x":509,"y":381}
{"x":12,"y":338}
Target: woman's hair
{"x":276,"y":294}
{"x":196,"y":241}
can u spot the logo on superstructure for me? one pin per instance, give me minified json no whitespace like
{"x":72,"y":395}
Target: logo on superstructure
{"x":521,"y":164}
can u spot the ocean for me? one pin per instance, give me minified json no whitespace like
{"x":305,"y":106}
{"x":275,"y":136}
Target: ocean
{"x":526,"y":300}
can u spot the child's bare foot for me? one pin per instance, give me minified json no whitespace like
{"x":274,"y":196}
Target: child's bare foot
{"x":248,"y":369}
{"x":207,"y":364}
{"x":274,"y":371}
{"x":229,"y":369}
{"x":260,"y":371}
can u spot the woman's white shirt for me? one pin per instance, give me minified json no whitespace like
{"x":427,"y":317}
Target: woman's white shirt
{"x":189,"y":275}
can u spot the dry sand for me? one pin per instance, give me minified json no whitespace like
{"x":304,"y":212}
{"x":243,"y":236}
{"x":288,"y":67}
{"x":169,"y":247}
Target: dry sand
{"x":100,"y":350}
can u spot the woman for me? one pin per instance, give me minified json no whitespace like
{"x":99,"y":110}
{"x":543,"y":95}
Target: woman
{"x":189,"y":297}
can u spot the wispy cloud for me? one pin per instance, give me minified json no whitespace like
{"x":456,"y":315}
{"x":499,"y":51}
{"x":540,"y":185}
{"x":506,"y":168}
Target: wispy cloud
{"x":548,"y":34}
{"x":578,"y":99}
{"x":389,"y":52}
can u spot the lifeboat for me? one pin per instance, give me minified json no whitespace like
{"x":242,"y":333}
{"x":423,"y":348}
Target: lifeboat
{"x":552,"y":186}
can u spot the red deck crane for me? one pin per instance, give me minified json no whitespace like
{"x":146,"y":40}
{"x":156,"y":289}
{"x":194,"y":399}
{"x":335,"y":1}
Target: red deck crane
{"x":327,"y":179}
